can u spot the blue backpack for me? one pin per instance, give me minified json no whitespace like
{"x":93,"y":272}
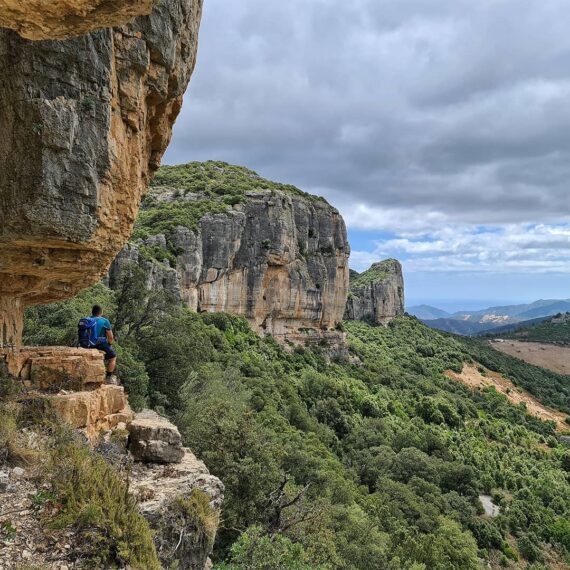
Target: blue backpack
{"x":86,"y":331}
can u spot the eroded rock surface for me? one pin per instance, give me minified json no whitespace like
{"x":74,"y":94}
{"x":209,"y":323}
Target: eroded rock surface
{"x":377,"y":295}
{"x":71,"y":380}
{"x":172,"y":498}
{"x":85,"y":122}
{"x":153,"y":438}
{"x":61,"y":19}
{"x":278,"y":258}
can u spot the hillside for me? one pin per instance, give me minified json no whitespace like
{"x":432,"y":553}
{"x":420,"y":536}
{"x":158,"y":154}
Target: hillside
{"x":427,"y":312}
{"x":492,"y":320}
{"x":457,"y":326}
{"x":550,"y":330}
{"x":373,"y":463}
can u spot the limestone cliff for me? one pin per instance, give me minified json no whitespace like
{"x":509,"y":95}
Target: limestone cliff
{"x":376,"y":295}
{"x":61,"y":19}
{"x":237,"y":243}
{"x":85,"y":123}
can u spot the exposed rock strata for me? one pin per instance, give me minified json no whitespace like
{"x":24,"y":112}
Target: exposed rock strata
{"x":155,"y":439}
{"x":71,"y":379}
{"x":376,"y":295}
{"x":85,"y":123}
{"x":61,"y":19}
{"x":279,"y":259}
{"x":162,"y":492}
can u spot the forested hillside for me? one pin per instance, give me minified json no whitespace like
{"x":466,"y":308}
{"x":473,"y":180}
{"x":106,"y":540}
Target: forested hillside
{"x":554,"y":330}
{"x":373,"y":462}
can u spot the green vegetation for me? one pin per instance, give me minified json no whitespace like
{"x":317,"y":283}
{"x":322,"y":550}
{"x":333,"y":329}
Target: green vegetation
{"x":95,"y":502}
{"x":86,"y":495}
{"x":555,"y":330}
{"x":218,"y":179}
{"x":216,"y":187}
{"x":378,"y":272}
{"x":344,"y":465}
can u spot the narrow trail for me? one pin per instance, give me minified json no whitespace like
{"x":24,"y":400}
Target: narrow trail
{"x":471,"y":377}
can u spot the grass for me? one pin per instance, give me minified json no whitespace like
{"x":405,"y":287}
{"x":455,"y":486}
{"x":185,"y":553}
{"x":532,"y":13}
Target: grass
{"x":378,"y":272}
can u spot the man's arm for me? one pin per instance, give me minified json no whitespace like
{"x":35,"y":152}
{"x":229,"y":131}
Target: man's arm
{"x":109,"y":335}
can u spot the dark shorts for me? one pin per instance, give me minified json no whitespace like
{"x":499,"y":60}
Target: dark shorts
{"x":107,"y":349}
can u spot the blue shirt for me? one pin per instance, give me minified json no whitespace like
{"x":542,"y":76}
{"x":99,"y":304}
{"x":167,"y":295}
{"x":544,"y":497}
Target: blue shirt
{"x":102,"y":325}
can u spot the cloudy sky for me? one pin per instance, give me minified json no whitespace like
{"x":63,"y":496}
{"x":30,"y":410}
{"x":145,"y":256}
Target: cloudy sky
{"x":439,"y":128}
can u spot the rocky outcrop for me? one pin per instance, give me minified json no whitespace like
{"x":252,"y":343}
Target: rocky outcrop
{"x":377,"y":295}
{"x":61,"y":19}
{"x":277,"y":257}
{"x":71,"y":381}
{"x":155,"y":439}
{"x":182,"y":503}
{"x":85,"y":123}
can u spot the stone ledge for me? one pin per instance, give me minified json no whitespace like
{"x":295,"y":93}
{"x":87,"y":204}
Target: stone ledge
{"x":57,"y":367}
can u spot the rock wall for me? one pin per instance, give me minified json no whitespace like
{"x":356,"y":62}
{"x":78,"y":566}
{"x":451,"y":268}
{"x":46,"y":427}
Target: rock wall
{"x":61,"y":19}
{"x":85,"y":123}
{"x":278,"y":258}
{"x":376,"y":295}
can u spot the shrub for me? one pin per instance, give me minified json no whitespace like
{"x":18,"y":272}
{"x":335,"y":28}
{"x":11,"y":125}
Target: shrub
{"x":96,"y":503}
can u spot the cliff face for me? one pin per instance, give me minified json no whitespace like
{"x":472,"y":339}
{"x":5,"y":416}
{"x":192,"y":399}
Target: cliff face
{"x":377,"y":294}
{"x":85,"y":123}
{"x":60,"y":19}
{"x":278,"y":257}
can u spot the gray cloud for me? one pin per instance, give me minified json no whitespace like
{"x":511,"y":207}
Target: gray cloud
{"x":448,"y":111}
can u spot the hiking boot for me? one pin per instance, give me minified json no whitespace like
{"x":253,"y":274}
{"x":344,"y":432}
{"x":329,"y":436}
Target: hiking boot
{"x":112,"y":380}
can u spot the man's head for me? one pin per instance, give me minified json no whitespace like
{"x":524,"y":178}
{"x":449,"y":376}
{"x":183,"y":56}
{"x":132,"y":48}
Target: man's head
{"x":96,"y":311}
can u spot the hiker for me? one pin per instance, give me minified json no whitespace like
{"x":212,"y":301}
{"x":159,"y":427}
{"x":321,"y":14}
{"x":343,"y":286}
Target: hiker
{"x":97,"y":332}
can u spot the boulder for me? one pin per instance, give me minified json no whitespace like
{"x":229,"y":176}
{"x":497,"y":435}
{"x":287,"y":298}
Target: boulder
{"x":153,"y":438}
{"x":93,"y":411}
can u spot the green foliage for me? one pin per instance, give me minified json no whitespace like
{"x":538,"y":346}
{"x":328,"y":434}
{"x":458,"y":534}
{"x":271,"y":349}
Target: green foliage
{"x":56,"y":324}
{"x":256,"y":551}
{"x":351,"y":466}
{"x":555,"y":330}
{"x":378,"y":272}
{"x":96,"y":503}
{"x":216,"y":178}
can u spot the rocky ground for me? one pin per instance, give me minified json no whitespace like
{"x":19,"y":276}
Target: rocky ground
{"x":25,"y":541}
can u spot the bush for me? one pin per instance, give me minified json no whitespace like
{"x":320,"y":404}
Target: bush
{"x":96,"y":503}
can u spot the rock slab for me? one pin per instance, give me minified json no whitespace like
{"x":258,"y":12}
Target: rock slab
{"x":153,"y":438}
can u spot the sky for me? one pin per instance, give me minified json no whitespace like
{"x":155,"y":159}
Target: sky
{"x":439,"y":128}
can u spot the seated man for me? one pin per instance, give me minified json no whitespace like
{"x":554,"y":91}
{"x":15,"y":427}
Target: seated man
{"x":102,"y":339}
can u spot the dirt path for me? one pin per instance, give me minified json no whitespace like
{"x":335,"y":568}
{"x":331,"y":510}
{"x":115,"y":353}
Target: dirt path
{"x":471,"y":377}
{"x":551,"y":356}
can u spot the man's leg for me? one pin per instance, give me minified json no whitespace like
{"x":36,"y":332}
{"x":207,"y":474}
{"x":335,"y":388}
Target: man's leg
{"x":111,"y":365}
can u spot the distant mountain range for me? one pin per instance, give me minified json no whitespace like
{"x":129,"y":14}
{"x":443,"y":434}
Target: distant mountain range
{"x":471,"y":323}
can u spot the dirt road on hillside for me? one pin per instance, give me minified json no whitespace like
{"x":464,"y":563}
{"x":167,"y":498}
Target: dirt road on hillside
{"x":555,"y":358}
